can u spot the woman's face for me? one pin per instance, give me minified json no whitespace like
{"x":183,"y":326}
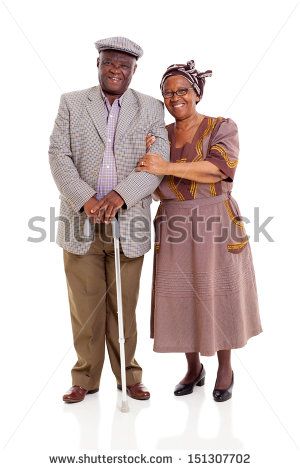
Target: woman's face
{"x":181,"y":107}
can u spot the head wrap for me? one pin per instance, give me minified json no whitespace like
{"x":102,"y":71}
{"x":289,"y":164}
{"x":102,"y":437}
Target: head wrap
{"x":196,"y":78}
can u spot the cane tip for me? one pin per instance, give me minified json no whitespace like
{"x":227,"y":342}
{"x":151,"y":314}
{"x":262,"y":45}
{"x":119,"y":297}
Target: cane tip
{"x":124,"y":407}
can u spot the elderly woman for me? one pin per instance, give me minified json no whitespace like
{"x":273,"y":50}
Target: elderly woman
{"x":204,"y":297}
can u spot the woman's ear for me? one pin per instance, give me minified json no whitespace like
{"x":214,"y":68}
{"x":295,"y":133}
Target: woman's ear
{"x":197,"y":97}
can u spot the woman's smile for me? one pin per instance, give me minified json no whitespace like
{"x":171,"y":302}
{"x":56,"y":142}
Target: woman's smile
{"x":177,"y":105}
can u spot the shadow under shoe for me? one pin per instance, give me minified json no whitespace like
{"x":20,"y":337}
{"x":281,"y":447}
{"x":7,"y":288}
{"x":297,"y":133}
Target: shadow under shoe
{"x":185,"y":389}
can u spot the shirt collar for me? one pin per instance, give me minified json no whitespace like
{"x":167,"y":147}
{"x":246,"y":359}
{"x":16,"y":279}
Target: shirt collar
{"x":119,"y":100}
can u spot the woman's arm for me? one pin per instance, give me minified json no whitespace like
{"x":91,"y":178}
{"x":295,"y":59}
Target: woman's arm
{"x":201,"y":172}
{"x":220,"y":162}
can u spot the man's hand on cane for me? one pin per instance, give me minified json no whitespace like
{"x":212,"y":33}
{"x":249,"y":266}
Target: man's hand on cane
{"x":88,"y":206}
{"x":105,"y":209}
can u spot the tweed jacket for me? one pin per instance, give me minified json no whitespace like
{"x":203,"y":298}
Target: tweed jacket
{"x":75,"y":154}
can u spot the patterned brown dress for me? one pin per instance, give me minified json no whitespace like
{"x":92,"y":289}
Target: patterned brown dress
{"x":204,"y":295}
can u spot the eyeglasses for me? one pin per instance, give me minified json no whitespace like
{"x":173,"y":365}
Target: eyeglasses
{"x":180,"y":92}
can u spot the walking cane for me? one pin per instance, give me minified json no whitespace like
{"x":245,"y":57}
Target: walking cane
{"x":116,"y":235}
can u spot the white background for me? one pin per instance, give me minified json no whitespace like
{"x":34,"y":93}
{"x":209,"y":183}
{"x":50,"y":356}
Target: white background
{"x":47,"y":49}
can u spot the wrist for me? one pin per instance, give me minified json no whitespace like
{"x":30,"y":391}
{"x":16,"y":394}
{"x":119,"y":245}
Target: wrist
{"x":169,"y":168}
{"x":120,"y":197}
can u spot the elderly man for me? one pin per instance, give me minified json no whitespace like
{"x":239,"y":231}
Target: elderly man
{"x":97,"y":140}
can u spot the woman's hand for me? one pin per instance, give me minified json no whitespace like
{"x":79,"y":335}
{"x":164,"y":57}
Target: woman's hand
{"x":150,"y":139}
{"x":153,"y":163}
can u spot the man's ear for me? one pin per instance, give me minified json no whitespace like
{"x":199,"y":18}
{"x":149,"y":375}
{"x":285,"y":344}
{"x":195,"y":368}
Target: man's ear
{"x":135,"y":68}
{"x":97,"y":62}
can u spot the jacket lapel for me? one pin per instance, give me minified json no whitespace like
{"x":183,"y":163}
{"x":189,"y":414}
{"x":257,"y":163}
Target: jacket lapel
{"x":128,"y":111}
{"x":97,"y":112}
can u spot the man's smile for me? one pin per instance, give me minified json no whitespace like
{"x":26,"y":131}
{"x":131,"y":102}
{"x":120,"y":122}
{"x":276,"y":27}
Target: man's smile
{"x":115,"y":79}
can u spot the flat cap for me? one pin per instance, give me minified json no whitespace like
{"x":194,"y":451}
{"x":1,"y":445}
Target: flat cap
{"x":119,"y":43}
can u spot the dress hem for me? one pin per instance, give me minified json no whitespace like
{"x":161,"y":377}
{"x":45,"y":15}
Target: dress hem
{"x":174,"y":350}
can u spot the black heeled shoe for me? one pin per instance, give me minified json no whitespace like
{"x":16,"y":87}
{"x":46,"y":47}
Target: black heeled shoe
{"x":185,"y":389}
{"x":223,"y":395}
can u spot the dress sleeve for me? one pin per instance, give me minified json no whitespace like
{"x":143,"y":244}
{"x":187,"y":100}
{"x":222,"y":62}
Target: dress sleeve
{"x":223,"y":150}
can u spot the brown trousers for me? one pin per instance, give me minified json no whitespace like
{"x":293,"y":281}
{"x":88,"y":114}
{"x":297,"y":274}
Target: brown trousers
{"x":93,"y":308}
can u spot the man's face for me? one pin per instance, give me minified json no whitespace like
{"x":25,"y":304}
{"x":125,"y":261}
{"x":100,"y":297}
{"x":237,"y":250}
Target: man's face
{"x":115,"y":71}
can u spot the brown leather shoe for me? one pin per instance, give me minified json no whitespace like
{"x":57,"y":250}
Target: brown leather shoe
{"x":77,"y":393}
{"x":137,"y":391}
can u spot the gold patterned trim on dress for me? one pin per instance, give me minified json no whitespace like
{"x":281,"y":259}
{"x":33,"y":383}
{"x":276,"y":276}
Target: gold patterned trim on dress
{"x":209,"y":128}
{"x":194,"y":185}
{"x":173,"y":186}
{"x":223,"y":153}
{"x":231,"y":214}
{"x":199,"y":149}
{"x":156,"y":247}
{"x":210,"y":125}
{"x":234,"y":247}
{"x":193,"y":188}
{"x":212,"y":189}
